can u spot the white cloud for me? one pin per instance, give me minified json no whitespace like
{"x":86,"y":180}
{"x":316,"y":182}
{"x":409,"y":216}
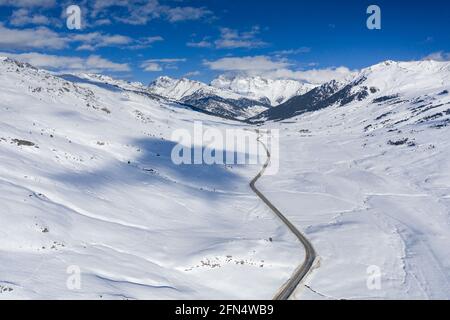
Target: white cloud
{"x":152,"y":67}
{"x":155,"y":65}
{"x":233,"y":39}
{"x":44,"y":38}
{"x":170,"y":60}
{"x":277,"y":69}
{"x":100,"y":12}
{"x":93,"y":63}
{"x":256,"y":64}
{"x":104,"y":64}
{"x":315,"y":76}
{"x":21,"y":17}
{"x":187,"y":13}
{"x":289,"y":52}
{"x":192,"y":74}
{"x":28,"y":3}
{"x":200,"y":44}
{"x":102,"y":22}
{"x":133,"y":13}
{"x":23,"y":39}
{"x":137,"y":12}
{"x":438,"y":56}
{"x":146,"y":42}
{"x":94,"y":40}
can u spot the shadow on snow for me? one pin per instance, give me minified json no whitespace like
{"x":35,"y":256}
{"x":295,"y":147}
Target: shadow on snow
{"x":155,"y":166}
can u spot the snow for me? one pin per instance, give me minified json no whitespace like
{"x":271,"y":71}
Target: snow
{"x":365,"y":202}
{"x":98,"y":190}
{"x":86,"y":180}
{"x":177,"y":89}
{"x":399,"y":77}
{"x":100,"y":78}
{"x":217,"y":101}
{"x":266,"y":91}
{"x":275,"y":91}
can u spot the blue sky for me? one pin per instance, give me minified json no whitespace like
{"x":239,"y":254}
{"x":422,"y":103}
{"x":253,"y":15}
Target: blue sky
{"x":141,"y":40}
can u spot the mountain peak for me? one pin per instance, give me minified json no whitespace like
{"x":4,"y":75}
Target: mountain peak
{"x":162,"y":81}
{"x":167,"y":82}
{"x":379,"y":82}
{"x":175,"y":89}
{"x":272,"y":91}
{"x":17,"y":63}
{"x":399,"y":74}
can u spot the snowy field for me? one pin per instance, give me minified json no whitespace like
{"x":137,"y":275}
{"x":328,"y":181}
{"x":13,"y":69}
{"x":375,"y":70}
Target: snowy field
{"x":87,"y":180}
{"x":366,"y":197}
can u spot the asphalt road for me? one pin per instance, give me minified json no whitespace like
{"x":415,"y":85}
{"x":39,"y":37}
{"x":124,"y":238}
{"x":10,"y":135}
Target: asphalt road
{"x":310,"y":254}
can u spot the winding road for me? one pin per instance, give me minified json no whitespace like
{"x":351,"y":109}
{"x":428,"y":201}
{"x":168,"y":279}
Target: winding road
{"x":310,"y":254}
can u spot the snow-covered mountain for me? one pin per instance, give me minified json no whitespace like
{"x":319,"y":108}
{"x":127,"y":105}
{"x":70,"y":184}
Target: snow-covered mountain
{"x":177,"y":89}
{"x":88,"y":188}
{"x":268,"y":91}
{"x":233,"y":97}
{"x":399,"y":82}
{"x":87,"y":183}
{"x":107,"y":80}
{"x":221,"y":102}
{"x":367,"y":177}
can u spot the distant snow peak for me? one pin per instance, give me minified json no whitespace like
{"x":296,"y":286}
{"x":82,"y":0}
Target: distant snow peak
{"x":237,"y":97}
{"x":163,"y":81}
{"x":175,"y":89}
{"x":16,"y":63}
{"x":221,"y":102}
{"x":100,"y":78}
{"x":270,"y":91}
{"x":378,"y":83}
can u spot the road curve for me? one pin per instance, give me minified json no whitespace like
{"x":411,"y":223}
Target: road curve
{"x":301,"y":271}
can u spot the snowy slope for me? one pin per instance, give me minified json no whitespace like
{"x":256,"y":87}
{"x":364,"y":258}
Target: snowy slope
{"x":368,"y":182}
{"x":103,"y":79}
{"x":384,"y":81}
{"x":273,"y":92}
{"x":217,"y":101}
{"x":176,"y":89}
{"x":86,"y":180}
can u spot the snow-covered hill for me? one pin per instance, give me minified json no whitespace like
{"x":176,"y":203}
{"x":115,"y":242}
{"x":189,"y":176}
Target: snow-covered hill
{"x":221,"y":102}
{"x":87,"y":183}
{"x":367,"y":178}
{"x":107,"y":80}
{"x":268,"y":91}
{"x":389,"y":80}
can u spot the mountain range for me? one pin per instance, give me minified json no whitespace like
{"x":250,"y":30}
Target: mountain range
{"x":239,"y":97}
{"x":389,"y":81}
{"x":257,"y":100}
{"x":87,"y":181}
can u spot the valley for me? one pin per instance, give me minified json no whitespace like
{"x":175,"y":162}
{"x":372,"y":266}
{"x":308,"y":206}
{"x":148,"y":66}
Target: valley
{"x":87,"y":180}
